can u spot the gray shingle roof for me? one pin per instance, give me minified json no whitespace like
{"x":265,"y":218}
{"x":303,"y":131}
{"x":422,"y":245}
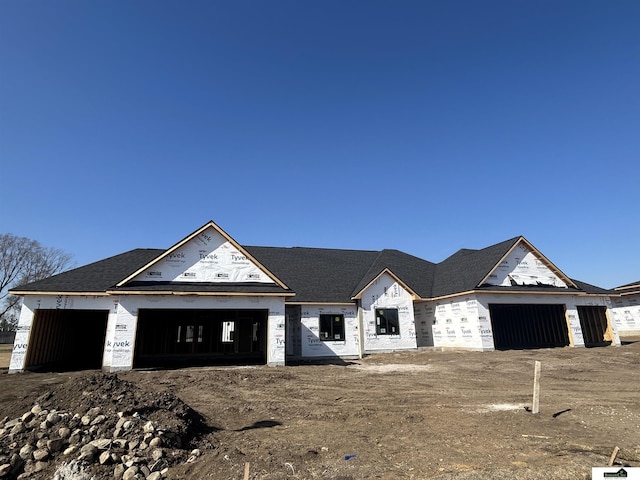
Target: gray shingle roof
{"x":592,"y":289}
{"x":415,"y":272}
{"x":316,"y":274}
{"x":464,"y":270}
{"x":313,"y":274}
{"x":95,"y":277}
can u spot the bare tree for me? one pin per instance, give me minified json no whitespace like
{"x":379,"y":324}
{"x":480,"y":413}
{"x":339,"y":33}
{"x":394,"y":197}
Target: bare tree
{"x":23,"y":261}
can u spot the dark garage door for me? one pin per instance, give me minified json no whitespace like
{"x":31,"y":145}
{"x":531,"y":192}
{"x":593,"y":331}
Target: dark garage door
{"x":200,"y":337}
{"x":67,"y":339}
{"x":593,"y":321}
{"x":528,"y":326}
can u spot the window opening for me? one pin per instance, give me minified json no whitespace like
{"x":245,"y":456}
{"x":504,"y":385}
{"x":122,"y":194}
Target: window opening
{"x":331,"y":327}
{"x":189,"y":334}
{"x":387,"y":321}
{"x":227,"y":331}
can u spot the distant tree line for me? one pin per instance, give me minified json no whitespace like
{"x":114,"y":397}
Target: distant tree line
{"x":23,"y":261}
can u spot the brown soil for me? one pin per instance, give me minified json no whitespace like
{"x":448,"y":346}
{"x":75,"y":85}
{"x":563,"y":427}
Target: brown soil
{"x":417,"y":415}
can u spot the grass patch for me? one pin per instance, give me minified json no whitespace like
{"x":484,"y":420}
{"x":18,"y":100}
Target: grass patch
{"x":5,"y":354}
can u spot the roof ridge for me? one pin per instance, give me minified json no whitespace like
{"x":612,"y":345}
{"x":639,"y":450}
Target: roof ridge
{"x":356,"y":289}
{"x":312,"y":248}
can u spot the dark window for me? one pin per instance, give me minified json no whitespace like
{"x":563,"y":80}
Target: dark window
{"x":387,"y":321}
{"x":187,"y":333}
{"x":331,"y":327}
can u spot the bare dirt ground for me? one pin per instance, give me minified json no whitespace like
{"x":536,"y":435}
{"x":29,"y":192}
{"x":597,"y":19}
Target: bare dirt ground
{"x":5,"y":355}
{"x":411,"y":415}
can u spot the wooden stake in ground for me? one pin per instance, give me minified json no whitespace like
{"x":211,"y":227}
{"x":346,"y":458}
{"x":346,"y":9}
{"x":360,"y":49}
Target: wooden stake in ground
{"x":536,"y":388}
{"x":246,"y":471}
{"x":613,"y":456}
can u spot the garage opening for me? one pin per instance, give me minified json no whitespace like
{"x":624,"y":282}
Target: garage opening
{"x":528,"y":326}
{"x":167,"y":338}
{"x":67,"y":340}
{"x":593,"y":321}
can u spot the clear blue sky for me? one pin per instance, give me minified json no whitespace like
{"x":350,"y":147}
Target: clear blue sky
{"x":425,"y":126}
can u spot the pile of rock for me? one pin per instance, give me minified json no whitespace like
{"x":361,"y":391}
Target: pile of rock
{"x":106,"y":444}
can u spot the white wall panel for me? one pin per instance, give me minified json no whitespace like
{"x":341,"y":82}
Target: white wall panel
{"x":456,"y":324}
{"x":385,"y":292}
{"x":313,"y":346}
{"x":625,"y":314}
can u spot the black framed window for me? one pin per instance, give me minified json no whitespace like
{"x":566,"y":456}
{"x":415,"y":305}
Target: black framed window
{"x":387,"y":322}
{"x":331,"y":327}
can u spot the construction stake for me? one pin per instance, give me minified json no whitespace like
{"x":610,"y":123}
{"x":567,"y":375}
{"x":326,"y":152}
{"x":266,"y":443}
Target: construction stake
{"x":613,"y":456}
{"x":536,"y":388}
{"x":246,"y":471}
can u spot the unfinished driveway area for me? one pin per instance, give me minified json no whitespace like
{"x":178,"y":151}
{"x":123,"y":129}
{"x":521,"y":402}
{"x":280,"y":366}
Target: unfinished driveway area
{"x":412,"y":415}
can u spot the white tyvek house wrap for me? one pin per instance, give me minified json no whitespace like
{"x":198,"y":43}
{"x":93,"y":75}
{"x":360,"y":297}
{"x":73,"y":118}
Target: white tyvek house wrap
{"x":625,"y":314}
{"x":313,"y":346}
{"x":457,"y":324}
{"x":276,"y":336}
{"x":32,"y":303}
{"x":121,"y":336}
{"x":208,"y":257}
{"x":525,"y":268}
{"x":112,"y":320}
{"x":122,"y":327}
{"x":385,"y":292}
{"x":21,"y":342}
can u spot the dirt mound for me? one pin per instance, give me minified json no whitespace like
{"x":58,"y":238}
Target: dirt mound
{"x":112,"y":394}
{"x":104,"y":425}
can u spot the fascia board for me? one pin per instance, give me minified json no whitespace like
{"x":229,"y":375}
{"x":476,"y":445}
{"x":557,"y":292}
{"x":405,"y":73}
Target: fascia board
{"x":451,"y":295}
{"x":199,"y":294}
{"x":624,"y":294}
{"x":629,"y":287}
{"x":338,"y":304}
{"x":516,"y":292}
{"x":540,"y":292}
{"x":81,"y":294}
